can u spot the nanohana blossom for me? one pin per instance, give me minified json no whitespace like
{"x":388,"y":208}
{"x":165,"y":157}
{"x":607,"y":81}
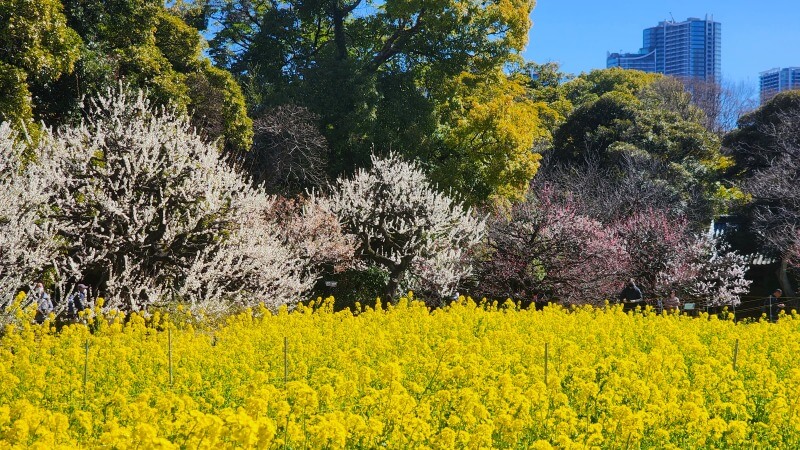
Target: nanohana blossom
{"x":465,"y":376}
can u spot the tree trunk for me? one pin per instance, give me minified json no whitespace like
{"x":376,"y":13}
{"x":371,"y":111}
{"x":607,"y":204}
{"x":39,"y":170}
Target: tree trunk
{"x":339,"y":38}
{"x":393,"y":285}
{"x":396,"y":276}
{"x":783,"y":277}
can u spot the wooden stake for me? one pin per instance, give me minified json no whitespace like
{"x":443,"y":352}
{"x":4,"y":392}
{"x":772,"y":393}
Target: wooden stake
{"x":85,"y":365}
{"x":735,"y":354}
{"x":169,"y":354}
{"x":546,"y":356}
{"x":285,"y":381}
{"x":285,"y":360}
{"x":85,"y":369}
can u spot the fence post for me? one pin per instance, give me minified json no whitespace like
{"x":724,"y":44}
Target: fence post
{"x":285,"y":360}
{"x":169,"y":354}
{"x":285,"y":382}
{"x":85,"y":364}
{"x":735,"y":354}
{"x":85,"y":368}
{"x":546,"y":357}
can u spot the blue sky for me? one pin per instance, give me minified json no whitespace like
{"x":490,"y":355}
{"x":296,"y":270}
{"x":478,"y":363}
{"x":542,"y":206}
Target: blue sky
{"x":756,"y":36}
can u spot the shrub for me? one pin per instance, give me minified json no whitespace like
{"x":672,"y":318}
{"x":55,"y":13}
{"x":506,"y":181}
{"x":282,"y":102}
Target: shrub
{"x":148,"y":212}
{"x":419,"y":235}
{"x":26,"y":240}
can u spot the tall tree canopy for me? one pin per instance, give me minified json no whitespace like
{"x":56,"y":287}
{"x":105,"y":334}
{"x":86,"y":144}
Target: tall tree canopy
{"x":36,"y":48}
{"x":763,"y":135}
{"x":53,"y":52}
{"x":419,"y":75}
{"x":767,"y":150}
{"x":628,"y":120}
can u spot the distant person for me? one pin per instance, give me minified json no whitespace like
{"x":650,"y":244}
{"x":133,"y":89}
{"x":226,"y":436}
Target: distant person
{"x":44,"y":303}
{"x":672,"y":303}
{"x":772,"y":305}
{"x":77,"y":301}
{"x":631,"y":293}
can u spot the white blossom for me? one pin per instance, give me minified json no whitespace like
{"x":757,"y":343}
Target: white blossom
{"x":710,"y":272}
{"x":404,"y":224}
{"x":149,"y":211}
{"x":26,"y":244}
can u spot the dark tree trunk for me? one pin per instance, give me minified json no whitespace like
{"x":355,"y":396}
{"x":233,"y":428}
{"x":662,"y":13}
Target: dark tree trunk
{"x":783,"y":277}
{"x":396,"y":276}
{"x":339,"y":38}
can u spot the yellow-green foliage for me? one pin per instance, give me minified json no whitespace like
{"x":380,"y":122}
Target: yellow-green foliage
{"x":149,"y":67}
{"x":35,"y":45}
{"x":139,"y":41}
{"x":180,"y":43}
{"x":15,"y":100}
{"x":214,"y":89}
{"x":34,"y":37}
{"x":492,"y":126}
{"x":403,"y":377}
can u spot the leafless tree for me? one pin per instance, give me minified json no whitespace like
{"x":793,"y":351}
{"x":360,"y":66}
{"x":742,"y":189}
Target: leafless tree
{"x":289,"y":153}
{"x":773,"y":186}
{"x":723,"y":102}
{"x":634,"y":184}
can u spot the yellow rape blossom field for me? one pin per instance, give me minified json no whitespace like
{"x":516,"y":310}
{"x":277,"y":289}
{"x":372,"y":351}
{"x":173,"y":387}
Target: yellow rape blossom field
{"x":403,"y":377}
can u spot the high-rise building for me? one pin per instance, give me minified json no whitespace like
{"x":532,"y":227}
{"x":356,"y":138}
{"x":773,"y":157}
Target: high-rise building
{"x":646,"y":62}
{"x":689,"y":49}
{"x":778,"y":80}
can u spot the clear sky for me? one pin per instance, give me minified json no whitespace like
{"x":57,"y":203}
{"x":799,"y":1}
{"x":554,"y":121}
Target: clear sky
{"x":756,"y":35}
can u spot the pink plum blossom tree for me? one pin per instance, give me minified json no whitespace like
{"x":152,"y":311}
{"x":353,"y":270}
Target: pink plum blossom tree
{"x":666,"y":255}
{"x":544,"y":247}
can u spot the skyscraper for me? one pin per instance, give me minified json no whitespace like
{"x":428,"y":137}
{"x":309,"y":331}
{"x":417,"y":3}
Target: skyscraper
{"x":646,"y":62}
{"x":778,"y":80}
{"x":689,"y":49}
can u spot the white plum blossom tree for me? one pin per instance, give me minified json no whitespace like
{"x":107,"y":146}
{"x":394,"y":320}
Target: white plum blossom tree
{"x":665,"y":255}
{"x":710,"y":273}
{"x":148,"y":211}
{"x":402,"y":223}
{"x":26,"y":240}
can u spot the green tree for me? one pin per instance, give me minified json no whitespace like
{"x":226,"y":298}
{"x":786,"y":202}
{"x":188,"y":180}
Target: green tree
{"x":52,"y":53}
{"x":488,"y":129}
{"x":766,"y":147}
{"x":626,"y":116}
{"x":547,"y":85}
{"x":754,"y":143}
{"x":36,"y":48}
{"x":589,"y":87}
{"x":383,"y":74}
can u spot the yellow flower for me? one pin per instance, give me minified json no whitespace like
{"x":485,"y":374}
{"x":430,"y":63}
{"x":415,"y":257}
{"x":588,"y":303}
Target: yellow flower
{"x":400,"y":376}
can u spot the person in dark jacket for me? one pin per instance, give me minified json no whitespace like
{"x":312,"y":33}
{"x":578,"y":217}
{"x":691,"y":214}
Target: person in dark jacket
{"x":77,"y":301}
{"x":772,"y":305}
{"x":631,"y":293}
